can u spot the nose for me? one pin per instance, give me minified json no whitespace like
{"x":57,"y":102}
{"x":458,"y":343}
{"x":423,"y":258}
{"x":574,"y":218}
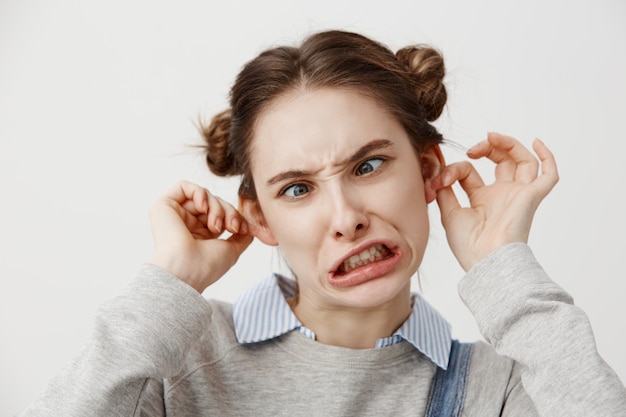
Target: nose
{"x":348,"y":217}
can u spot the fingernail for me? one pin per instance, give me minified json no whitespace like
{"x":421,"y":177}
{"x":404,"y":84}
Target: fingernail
{"x":218,"y":225}
{"x":234,"y":224}
{"x":472,"y":149}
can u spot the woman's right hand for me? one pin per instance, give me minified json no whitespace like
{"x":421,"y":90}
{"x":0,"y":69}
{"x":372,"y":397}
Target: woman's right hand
{"x":186,"y":224}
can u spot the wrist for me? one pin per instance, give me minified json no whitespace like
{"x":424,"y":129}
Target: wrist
{"x":176,"y":268}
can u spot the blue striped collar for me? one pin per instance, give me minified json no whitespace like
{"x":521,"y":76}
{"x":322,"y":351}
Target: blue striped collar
{"x":262,"y":313}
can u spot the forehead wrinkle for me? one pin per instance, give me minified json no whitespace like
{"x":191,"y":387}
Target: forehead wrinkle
{"x":363,"y":151}
{"x":366,"y":149}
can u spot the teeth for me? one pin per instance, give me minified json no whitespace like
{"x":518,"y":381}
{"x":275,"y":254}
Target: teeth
{"x":375,"y":253}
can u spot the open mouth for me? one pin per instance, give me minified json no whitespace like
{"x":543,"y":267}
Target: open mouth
{"x":373,"y":254}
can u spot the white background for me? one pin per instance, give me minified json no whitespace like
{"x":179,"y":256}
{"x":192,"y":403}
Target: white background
{"x":98,"y":102}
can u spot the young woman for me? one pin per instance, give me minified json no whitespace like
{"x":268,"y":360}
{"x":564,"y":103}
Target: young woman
{"x":338,"y":163}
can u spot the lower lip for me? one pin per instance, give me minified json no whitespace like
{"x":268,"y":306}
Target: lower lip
{"x":365,"y":273}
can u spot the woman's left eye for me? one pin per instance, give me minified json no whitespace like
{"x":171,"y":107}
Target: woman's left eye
{"x":369,"y":166}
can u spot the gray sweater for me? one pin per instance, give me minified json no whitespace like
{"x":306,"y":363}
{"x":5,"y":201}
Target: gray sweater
{"x":163,"y":349}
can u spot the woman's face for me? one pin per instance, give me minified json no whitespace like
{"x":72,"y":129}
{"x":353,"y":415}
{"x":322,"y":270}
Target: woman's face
{"x":341,"y":191}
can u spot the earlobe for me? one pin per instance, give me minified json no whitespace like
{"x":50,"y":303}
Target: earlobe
{"x":433,"y":163}
{"x":251,"y":210}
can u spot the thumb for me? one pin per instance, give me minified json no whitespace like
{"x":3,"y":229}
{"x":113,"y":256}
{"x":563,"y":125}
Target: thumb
{"x":447,"y":202}
{"x":222,"y":254}
{"x":238,"y":243}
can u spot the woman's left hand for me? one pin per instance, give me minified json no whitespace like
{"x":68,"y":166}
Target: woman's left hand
{"x":501,"y":212}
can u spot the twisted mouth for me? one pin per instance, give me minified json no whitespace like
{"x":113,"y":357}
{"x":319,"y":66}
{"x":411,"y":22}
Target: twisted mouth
{"x":367,"y":256}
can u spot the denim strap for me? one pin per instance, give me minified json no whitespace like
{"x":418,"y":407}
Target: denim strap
{"x":447,"y":392}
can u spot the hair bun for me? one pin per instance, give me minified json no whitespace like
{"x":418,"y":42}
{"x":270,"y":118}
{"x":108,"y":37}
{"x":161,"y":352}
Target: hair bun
{"x":218,"y":158}
{"x":426,"y":71}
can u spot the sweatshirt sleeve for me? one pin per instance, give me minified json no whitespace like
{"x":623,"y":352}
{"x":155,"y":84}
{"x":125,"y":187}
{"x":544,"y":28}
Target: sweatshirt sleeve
{"x":524,"y":315}
{"x":140,"y":338}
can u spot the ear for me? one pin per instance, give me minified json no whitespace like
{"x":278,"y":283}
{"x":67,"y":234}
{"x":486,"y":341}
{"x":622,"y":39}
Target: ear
{"x":251,"y":210}
{"x":432,"y":165}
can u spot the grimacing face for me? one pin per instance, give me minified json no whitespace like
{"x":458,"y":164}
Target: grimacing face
{"x":340,"y":189}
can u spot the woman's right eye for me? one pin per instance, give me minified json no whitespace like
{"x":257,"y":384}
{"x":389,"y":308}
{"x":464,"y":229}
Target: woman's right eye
{"x":295,"y":190}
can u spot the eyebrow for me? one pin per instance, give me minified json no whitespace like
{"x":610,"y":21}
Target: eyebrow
{"x":363,"y":151}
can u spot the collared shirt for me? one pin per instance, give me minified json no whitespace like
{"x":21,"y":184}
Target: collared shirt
{"x":262,"y":313}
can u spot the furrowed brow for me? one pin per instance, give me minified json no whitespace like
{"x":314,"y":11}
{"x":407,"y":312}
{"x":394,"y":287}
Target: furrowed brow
{"x":287,"y":175}
{"x":363,"y":151}
{"x":367,"y":149}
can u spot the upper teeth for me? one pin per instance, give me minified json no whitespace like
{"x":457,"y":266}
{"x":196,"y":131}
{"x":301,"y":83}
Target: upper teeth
{"x":372,"y":254}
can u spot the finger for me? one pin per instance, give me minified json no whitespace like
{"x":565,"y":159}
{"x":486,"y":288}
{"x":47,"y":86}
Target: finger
{"x":514,"y":161}
{"x":239,"y":243}
{"x":199,"y":205}
{"x":505,"y":168}
{"x":196,"y":222}
{"x":226,"y":252}
{"x":197,"y":226}
{"x":463,"y":172}
{"x":233,"y":220}
{"x":448,"y":203}
{"x":549,"y":172}
{"x":168,"y":221}
{"x":187,"y":191}
{"x":200,"y":231}
{"x":217,"y":214}
{"x":203,"y":218}
{"x":192,"y":222}
{"x":215,"y":220}
{"x":191,"y":197}
{"x":201,"y":200}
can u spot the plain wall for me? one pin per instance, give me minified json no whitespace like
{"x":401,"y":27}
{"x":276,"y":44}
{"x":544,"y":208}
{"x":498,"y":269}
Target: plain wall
{"x":98,"y":104}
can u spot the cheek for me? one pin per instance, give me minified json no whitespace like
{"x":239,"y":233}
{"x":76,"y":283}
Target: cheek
{"x":404,"y":196}
{"x":298,"y":234}
{"x":407,"y":209}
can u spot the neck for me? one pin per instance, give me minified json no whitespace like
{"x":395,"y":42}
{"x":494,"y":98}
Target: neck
{"x":350,"y":327}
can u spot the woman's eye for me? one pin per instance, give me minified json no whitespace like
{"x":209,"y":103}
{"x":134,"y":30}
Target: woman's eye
{"x":369,"y":166}
{"x":296,"y":190}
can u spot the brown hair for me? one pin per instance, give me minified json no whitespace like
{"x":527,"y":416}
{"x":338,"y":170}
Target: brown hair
{"x":408,"y":84}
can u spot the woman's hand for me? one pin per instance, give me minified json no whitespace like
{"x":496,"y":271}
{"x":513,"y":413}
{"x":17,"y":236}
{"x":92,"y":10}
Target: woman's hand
{"x":501,"y":212}
{"x":186,"y":223}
